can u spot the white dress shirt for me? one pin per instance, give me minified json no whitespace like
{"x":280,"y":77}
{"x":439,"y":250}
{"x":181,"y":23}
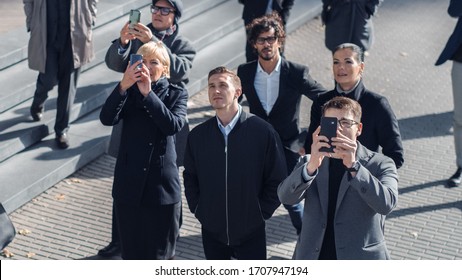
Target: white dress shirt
{"x":267,"y":86}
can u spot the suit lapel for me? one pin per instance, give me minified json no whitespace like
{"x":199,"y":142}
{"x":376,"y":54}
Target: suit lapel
{"x":282,"y":80}
{"x":363,"y":157}
{"x":252,"y":92}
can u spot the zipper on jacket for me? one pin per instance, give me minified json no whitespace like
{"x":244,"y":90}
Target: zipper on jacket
{"x":226,"y":191}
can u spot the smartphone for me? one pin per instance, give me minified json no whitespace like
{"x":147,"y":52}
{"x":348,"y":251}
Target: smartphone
{"x":134,"y":58}
{"x":328,"y":129}
{"x":135,"y":16}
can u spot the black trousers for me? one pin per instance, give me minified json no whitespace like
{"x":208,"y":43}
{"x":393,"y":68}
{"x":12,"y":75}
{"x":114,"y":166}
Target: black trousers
{"x":252,"y":249}
{"x":59,"y":71}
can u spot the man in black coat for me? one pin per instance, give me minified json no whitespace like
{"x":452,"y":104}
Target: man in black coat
{"x":256,"y":8}
{"x":274,"y":87}
{"x":232,"y":167}
{"x":349,"y":21}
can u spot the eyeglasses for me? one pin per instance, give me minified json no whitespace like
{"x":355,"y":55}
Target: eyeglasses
{"x":347,"y":123}
{"x":270,"y":40}
{"x":163,"y":10}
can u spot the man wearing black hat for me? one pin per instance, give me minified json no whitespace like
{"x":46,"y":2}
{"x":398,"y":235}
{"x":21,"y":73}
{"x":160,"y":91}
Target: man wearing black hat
{"x":164,"y":28}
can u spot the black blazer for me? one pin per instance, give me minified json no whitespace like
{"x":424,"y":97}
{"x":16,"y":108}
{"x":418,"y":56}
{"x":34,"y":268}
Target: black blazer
{"x":257,"y":8}
{"x":295,"y":81}
{"x":146,"y":170}
{"x":454,"y":42}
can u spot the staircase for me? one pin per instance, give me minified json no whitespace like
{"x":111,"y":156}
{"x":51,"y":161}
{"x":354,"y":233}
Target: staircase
{"x":30,"y":163}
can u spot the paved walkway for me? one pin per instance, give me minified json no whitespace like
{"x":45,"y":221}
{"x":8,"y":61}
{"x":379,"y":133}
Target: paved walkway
{"x":72,"y":220}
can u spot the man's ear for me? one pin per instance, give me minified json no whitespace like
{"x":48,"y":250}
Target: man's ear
{"x":360,"y":129}
{"x":238,"y":93}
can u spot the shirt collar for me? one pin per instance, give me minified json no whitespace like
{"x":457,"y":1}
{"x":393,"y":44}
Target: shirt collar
{"x":277,"y":68}
{"x":227,"y":129}
{"x":354,"y":93}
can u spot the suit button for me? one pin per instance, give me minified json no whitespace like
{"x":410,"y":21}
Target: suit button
{"x":144,"y":169}
{"x":150,"y":144}
{"x":363,"y":190}
{"x":317,"y":249}
{"x":323,"y":225}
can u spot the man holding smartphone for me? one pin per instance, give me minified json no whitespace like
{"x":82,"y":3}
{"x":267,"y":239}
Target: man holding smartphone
{"x":163,"y":27}
{"x":350,"y":191}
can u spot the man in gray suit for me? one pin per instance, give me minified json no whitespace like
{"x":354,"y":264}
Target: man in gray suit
{"x":347,"y":192}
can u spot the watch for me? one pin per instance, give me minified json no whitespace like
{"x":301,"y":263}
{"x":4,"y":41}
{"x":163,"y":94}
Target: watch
{"x":354,"y":167}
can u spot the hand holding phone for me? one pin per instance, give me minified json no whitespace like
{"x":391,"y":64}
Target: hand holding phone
{"x":136,"y":57}
{"x":328,"y":129}
{"x":134,"y":18}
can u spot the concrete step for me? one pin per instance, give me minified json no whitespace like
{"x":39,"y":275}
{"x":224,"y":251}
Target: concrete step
{"x":29,"y":161}
{"x":18,"y":132}
{"x":21,"y":80}
{"x":39,"y":167}
{"x":14,"y":43}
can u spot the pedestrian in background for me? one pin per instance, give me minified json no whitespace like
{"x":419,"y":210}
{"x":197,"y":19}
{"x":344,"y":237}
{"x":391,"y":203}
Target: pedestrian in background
{"x":256,"y":8}
{"x":453,"y":51}
{"x":164,"y":28}
{"x":232,"y":167}
{"x":273,"y":87}
{"x":348,"y":21}
{"x":146,"y":187}
{"x":60,"y":44}
{"x":381,"y":129}
{"x":347,"y":193}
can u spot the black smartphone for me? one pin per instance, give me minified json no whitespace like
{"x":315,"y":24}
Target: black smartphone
{"x":134,"y":18}
{"x":136,"y":57}
{"x":328,"y":129}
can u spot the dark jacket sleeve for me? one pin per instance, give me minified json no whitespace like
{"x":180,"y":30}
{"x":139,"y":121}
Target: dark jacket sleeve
{"x":389,"y":134}
{"x":191,"y":182}
{"x":112,"y":109}
{"x":455,"y":8}
{"x":311,"y":88}
{"x":275,"y":171}
{"x":181,"y":54}
{"x":315,"y":120}
{"x":372,"y":6}
{"x":115,"y":61}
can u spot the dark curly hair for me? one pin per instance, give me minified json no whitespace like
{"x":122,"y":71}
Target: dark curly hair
{"x":264,"y":24}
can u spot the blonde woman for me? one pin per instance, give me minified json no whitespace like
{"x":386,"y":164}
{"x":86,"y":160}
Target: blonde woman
{"x":146,"y":188}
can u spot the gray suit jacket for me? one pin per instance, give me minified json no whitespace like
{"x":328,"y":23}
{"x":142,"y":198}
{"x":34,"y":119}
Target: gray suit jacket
{"x":362,"y":204}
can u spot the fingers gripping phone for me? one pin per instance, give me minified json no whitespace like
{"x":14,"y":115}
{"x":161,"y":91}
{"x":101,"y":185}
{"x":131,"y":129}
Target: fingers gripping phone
{"x":135,"y":16}
{"x":136,"y":57}
{"x":328,"y":129}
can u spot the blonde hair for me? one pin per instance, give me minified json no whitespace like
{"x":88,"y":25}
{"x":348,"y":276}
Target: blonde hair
{"x":156,"y":50}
